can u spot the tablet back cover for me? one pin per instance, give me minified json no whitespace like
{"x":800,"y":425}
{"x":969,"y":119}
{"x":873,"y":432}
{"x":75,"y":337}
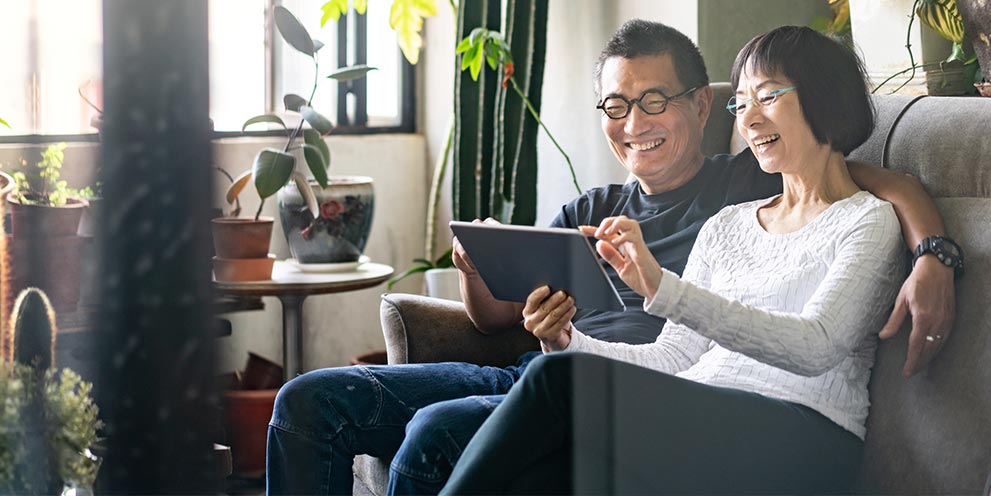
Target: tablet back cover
{"x":515,"y":260}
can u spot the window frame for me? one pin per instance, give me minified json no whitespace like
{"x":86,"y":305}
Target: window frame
{"x":343,"y":126}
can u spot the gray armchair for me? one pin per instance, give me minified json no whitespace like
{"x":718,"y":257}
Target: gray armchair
{"x":927,"y":434}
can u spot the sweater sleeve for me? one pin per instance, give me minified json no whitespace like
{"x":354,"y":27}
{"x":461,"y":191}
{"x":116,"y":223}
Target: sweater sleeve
{"x":677,"y":347}
{"x":848,"y":305}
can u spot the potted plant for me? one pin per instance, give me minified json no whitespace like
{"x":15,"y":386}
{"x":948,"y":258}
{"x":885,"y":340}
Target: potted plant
{"x":492,"y":181}
{"x":316,"y":222}
{"x":956,"y":74}
{"x":49,"y":422}
{"x":44,"y":218}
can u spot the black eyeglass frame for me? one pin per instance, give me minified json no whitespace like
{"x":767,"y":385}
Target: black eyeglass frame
{"x":629,"y":103}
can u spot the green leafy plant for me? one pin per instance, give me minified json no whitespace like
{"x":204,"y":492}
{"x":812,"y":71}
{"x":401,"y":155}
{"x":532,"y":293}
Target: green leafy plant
{"x":71,"y":424}
{"x":486,"y":46}
{"x":274,"y":168}
{"x":44,"y":186}
{"x":48,"y":420}
{"x":405,"y":18}
{"x":422,"y":265}
{"x":838,"y":24}
{"x":943,"y":17}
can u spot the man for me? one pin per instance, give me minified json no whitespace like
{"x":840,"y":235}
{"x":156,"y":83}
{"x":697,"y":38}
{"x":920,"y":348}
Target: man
{"x":653,"y":90}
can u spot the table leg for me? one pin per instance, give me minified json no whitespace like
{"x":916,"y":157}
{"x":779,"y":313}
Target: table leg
{"x":292,"y":335}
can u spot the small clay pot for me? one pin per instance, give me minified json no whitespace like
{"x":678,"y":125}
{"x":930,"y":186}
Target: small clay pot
{"x":243,"y":269}
{"x":240,"y":237}
{"x":43,"y":220}
{"x":261,"y":373}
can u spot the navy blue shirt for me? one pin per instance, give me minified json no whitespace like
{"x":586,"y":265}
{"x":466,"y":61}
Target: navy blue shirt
{"x":670,"y":222}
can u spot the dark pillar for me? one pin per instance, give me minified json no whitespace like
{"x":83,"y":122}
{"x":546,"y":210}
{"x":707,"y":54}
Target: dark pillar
{"x":156,"y":354}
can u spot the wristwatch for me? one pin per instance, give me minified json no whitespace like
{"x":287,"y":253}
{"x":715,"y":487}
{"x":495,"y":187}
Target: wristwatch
{"x":945,"y":249}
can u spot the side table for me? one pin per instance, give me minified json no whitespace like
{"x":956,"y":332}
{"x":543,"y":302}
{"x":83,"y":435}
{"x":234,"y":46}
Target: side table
{"x":291,"y":286}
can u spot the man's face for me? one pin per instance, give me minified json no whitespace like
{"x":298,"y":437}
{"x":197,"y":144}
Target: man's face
{"x":661,"y":150}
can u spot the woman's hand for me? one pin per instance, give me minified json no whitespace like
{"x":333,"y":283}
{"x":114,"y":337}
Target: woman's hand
{"x":548,"y":317}
{"x":621,"y":244}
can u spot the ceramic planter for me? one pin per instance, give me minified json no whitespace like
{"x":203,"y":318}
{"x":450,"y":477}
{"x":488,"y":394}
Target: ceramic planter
{"x":443,"y":283}
{"x":946,"y":80}
{"x":340,"y":232}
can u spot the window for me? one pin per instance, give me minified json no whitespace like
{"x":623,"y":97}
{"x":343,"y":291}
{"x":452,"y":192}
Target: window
{"x":54,"y":55}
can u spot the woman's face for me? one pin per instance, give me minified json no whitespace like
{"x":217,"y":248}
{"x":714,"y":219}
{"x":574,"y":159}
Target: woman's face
{"x":776,"y":132}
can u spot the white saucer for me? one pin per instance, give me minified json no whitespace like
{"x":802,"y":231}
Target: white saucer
{"x":328,"y":267}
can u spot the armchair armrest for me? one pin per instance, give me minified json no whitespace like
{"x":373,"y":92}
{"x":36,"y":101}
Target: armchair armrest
{"x":419,"y":329}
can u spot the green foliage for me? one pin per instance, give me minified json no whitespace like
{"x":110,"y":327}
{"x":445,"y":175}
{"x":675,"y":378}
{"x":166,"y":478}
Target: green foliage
{"x":405,"y":18}
{"x":43,"y":185}
{"x":422,"y":265}
{"x":70,"y":426}
{"x":4,"y":123}
{"x":838,"y":24}
{"x":511,"y":178}
{"x":273,"y":169}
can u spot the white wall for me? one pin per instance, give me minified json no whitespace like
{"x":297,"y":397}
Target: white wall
{"x":336,"y":327}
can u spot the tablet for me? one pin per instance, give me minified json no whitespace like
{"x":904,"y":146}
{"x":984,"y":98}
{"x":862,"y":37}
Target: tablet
{"x":515,"y":260}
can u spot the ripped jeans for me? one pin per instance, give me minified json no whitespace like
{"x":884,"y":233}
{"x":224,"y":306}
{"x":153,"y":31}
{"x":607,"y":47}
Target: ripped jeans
{"x":424,"y":414}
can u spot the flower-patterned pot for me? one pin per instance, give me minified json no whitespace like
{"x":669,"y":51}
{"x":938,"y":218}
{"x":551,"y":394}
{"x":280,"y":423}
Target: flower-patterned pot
{"x":341,"y":230}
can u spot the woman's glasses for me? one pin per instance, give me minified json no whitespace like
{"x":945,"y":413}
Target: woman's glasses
{"x":738,"y":106}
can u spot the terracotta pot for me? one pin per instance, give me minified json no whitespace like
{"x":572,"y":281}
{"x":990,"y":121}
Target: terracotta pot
{"x":44,"y":221}
{"x":238,"y":237}
{"x":261,"y":373}
{"x":243,"y":269}
{"x":247,"y":414}
{"x":52,"y":264}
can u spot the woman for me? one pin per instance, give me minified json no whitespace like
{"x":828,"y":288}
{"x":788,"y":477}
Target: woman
{"x":771,"y":331}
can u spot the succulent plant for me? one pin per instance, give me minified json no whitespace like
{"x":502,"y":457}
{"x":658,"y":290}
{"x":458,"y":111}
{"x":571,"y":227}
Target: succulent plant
{"x":34,"y":330}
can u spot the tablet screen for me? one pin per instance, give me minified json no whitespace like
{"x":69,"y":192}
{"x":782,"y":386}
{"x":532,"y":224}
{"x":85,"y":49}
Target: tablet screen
{"x":515,"y":260}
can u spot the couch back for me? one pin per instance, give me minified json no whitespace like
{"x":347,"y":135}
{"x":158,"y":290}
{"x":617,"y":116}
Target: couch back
{"x":930,"y":433}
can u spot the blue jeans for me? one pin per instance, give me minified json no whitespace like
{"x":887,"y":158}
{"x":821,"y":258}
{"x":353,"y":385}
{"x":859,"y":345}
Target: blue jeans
{"x":688,"y":438}
{"x":423,"y":413}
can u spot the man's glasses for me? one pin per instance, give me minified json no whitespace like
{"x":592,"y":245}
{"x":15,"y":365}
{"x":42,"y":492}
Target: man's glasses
{"x":652,"y":102}
{"x":737,"y":106}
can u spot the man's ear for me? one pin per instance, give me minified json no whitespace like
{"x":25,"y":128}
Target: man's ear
{"x":703,"y":100}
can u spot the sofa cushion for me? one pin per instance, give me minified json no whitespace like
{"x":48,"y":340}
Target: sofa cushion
{"x":931,"y":433}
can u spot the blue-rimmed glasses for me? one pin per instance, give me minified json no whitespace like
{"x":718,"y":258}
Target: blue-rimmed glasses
{"x":737,"y":106}
{"x":652,"y":102}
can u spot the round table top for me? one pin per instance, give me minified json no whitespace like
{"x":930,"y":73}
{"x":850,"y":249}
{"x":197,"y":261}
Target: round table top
{"x":288,"y":280}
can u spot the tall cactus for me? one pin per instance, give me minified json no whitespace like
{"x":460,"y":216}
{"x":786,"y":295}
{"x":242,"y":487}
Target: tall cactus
{"x":495,"y":146}
{"x":33,"y":327}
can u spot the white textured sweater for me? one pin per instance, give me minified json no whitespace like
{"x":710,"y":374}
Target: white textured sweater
{"x":790,"y":316}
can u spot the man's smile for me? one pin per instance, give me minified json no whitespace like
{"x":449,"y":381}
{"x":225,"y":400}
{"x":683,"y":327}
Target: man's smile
{"x":640,"y":147}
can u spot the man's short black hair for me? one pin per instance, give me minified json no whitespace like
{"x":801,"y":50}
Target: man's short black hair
{"x":829,"y":77}
{"x":638,"y":37}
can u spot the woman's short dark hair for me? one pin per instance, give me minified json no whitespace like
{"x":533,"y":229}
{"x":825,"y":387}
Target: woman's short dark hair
{"x":637,"y":37}
{"x":829,"y":77}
